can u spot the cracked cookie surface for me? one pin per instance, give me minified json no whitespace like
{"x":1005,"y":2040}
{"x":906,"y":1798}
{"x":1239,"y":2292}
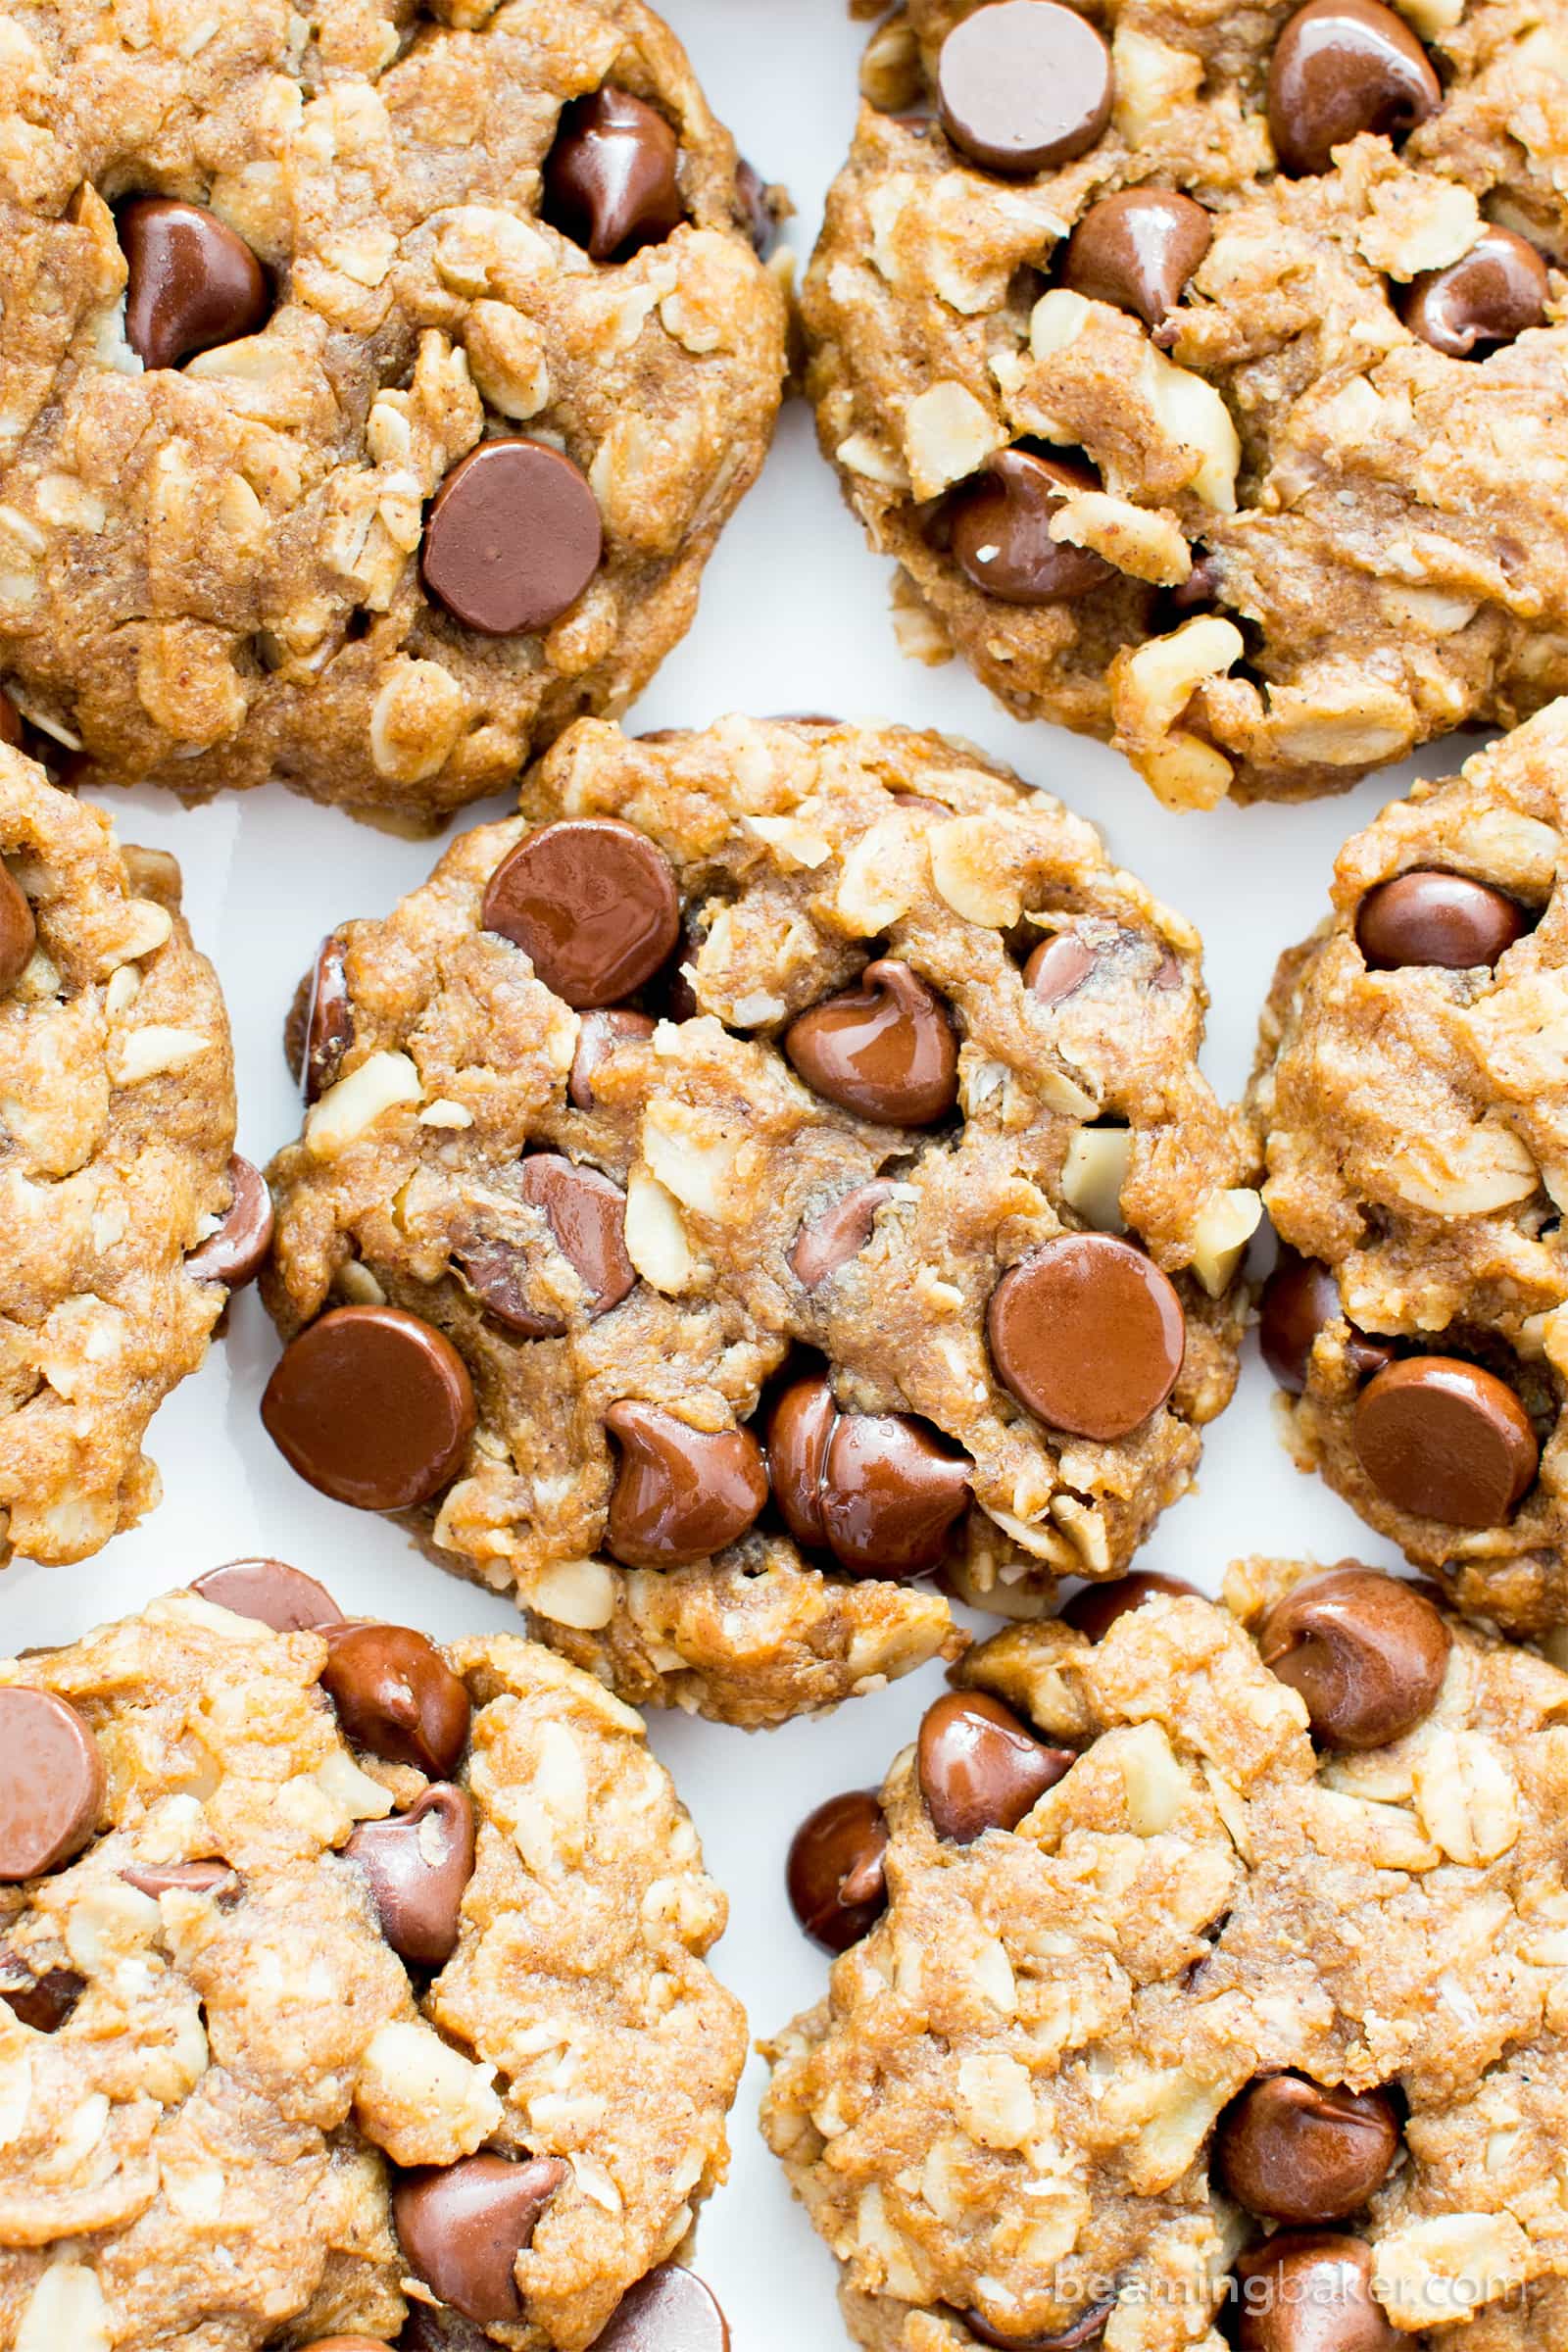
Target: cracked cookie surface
{"x":1308,"y":536}
{"x":909,"y":1055}
{"x":1013,"y":2116}
{"x":211,"y":563}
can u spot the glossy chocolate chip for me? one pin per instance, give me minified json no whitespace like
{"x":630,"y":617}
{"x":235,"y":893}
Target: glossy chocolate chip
{"x":1300,"y":1299}
{"x":1089,"y":1334}
{"x":182,"y":1877}
{"x":1430,"y":917}
{"x":1059,"y":965}
{"x":45,"y":2000}
{"x":597,"y":1040}
{"x":463,"y":2225}
{"x":758,"y":216}
{"x":999,"y":526}
{"x":396,"y":1696}
{"x":19,"y":932}
{"x":829,"y":1241}
{"x":1311,"y":2292}
{"x":1366,"y":1652}
{"x":1443,"y":1439}
{"x":1082,"y":2333}
{"x":592,"y":903}
{"x":669,"y":2311}
{"x":836,"y":1876}
{"x":418,"y":1864}
{"x":1023,"y":85}
{"x":680,"y":1493}
{"x":1092,"y":1611}
{"x":885,"y":1050}
{"x":1491,"y":295}
{"x":328,"y":1020}
{"x":51,"y":1782}
{"x":980,"y":1768}
{"x":609,"y":180}
{"x":512,"y":537}
{"x":1138,"y":249}
{"x":879,"y":1490}
{"x":1341,"y":67}
{"x":237,"y":1251}
{"x":191,"y":283}
{"x":373,"y":1406}
{"x":1296,"y":2152}
{"x":587,"y":1217}
{"x":270,"y":1591}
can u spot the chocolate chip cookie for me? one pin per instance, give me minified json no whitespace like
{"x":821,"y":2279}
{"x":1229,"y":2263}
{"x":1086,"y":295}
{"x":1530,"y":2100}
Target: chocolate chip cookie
{"x":1202,"y":369}
{"x":1410,"y":1089}
{"x":124,"y":1221}
{"x":771,"y":1168}
{"x":342,"y":1979}
{"x":377,"y":383}
{"x":1216,"y":1990}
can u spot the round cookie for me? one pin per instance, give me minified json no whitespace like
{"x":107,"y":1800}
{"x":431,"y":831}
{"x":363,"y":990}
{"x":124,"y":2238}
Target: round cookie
{"x":342,"y":1978}
{"x":1177,"y":1948}
{"x":124,"y":1219}
{"x":377,"y":389}
{"x":1409,"y":1088}
{"x":1183,"y":433}
{"x":898,"y":1079}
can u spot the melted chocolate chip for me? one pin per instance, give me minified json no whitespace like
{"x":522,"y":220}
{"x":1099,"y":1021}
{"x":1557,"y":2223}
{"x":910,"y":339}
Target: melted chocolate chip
{"x":980,"y":1768}
{"x":592,"y":903}
{"x":885,"y":1050}
{"x":835,"y":1876}
{"x":1340,"y":68}
{"x":1089,"y":1334}
{"x":680,"y":1493}
{"x":999,"y":526}
{"x":191,"y":283}
{"x":1366,"y":1652}
{"x":611,"y":179}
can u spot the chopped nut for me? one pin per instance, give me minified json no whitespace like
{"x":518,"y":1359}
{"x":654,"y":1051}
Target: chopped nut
{"x":1094,"y":1173}
{"x":380,"y":1083}
{"x":947,"y":437}
{"x":1225,"y":1224}
{"x":655,"y":1237}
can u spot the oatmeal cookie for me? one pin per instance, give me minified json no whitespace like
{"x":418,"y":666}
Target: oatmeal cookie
{"x":124,"y":1219}
{"x":1204,"y":369}
{"x":779,"y":1037}
{"x":341,"y":1975}
{"x":378,"y":382}
{"x":1192,"y":1930}
{"x":1412,"y":1088}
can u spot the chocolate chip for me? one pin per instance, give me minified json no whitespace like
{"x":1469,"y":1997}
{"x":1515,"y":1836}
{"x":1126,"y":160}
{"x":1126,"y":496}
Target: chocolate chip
{"x":182,"y":1877}
{"x":44,"y":2000}
{"x":51,"y":1782}
{"x":270,"y":1591}
{"x":1341,"y":67}
{"x":999,"y":524}
{"x":191,"y":282}
{"x":1300,"y":1299}
{"x":396,"y":1696}
{"x":680,"y":1493}
{"x":1366,"y":1652}
{"x":512,"y":537}
{"x":879,"y":1490}
{"x":1023,"y":85}
{"x":1092,"y":1611}
{"x":237,"y":1251}
{"x":434,"y":2328}
{"x":1085,"y":2330}
{"x":597,"y":1037}
{"x":1311,"y":2292}
{"x":418,"y":1864}
{"x":609,"y":180}
{"x":829,"y":1241}
{"x":19,"y":932}
{"x":1089,"y":1334}
{"x":587,"y":1216}
{"x":980,"y":1769}
{"x":328,"y":1020}
{"x":1138,"y":249}
{"x":669,"y":2311}
{"x":1429,"y":917}
{"x":1491,"y":295}
{"x":463,"y":2225}
{"x":1293,"y":2151}
{"x":592,"y":903}
{"x":758,"y":216}
{"x":886,"y":1049}
{"x":835,"y":1876}
{"x":1059,"y":965}
{"x":373,"y":1406}
{"x":1443,"y":1439}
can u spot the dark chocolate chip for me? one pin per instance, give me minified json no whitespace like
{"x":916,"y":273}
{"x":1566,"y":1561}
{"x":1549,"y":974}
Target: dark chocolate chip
{"x":191,"y":283}
{"x":592,"y":903}
{"x":1089,"y":1334}
{"x":611,"y":179}
{"x":1366,"y":1652}
{"x":373,"y":1406}
{"x":835,"y":1875}
{"x":980,"y":1768}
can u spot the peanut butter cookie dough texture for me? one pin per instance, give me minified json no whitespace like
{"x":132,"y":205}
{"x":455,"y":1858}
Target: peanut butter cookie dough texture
{"x":376,"y":387}
{"x":771,"y":1169}
{"x":1204,"y":369}
{"x":1191,"y":1968}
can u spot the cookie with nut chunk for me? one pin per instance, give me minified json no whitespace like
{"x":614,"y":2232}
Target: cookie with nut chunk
{"x":1206,"y":1989}
{"x":768,"y":1172}
{"x":1173,"y":354}
{"x":351,"y":1989}
{"x":376,"y":388}
{"x":1410,"y":1091}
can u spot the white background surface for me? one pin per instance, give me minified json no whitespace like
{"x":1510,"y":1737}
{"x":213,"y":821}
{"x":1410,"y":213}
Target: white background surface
{"x":794,"y":617}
